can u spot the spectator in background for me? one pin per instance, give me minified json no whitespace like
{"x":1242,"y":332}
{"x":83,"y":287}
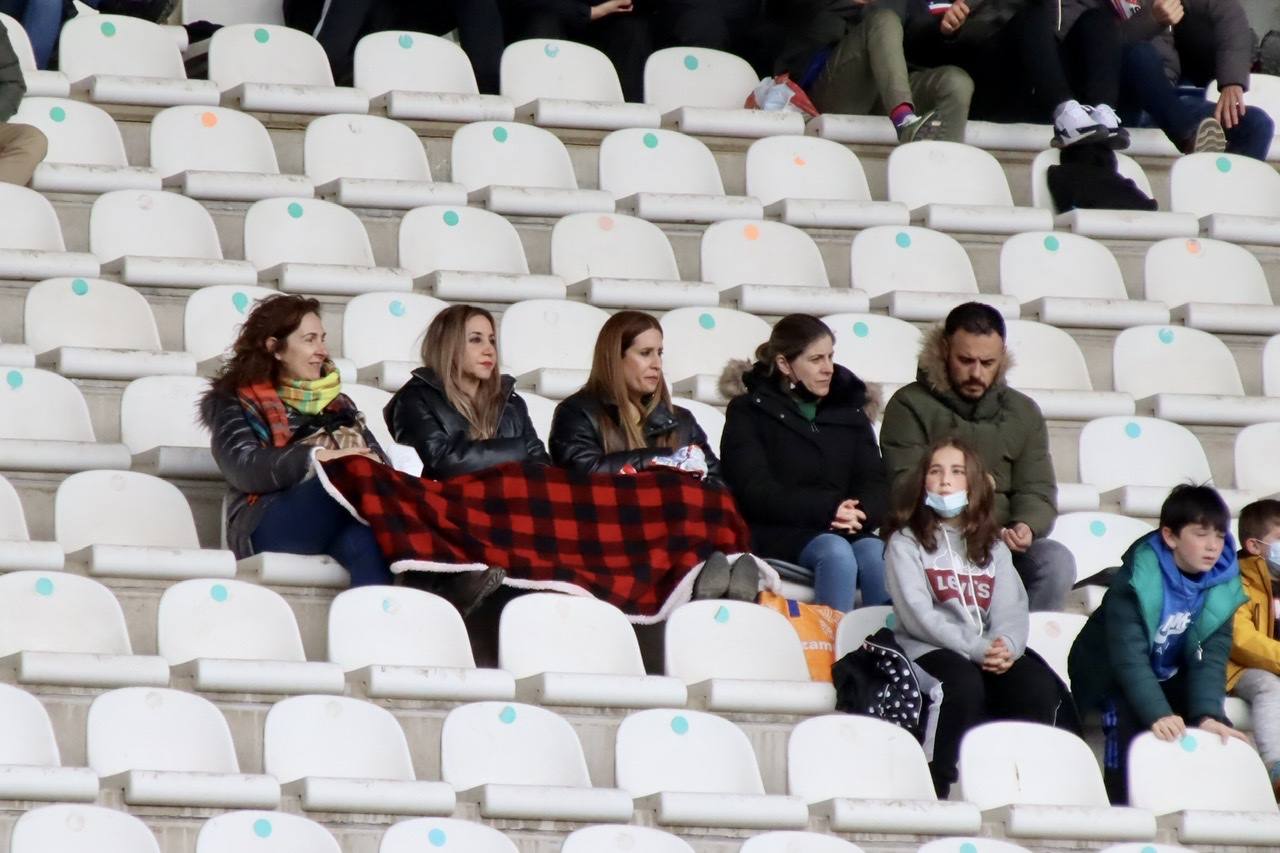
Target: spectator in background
{"x":42,"y":19}
{"x":616,"y":27}
{"x":21,"y":147}
{"x":737,"y":26}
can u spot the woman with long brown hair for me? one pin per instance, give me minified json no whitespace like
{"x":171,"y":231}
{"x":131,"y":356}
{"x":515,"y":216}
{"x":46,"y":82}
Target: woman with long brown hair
{"x":275,"y":408}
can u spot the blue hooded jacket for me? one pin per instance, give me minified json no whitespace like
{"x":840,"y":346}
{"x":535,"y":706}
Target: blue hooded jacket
{"x":1183,"y":598}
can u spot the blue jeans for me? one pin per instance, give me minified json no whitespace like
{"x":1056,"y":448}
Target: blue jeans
{"x":1147,"y":89}
{"x":840,"y":566}
{"x":306,"y":520}
{"x":42,"y":19}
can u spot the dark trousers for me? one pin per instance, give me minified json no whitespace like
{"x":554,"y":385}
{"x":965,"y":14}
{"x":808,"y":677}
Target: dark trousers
{"x":306,"y":520}
{"x":1120,"y":725}
{"x":625,"y":38}
{"x":1028,"y":691}
{"x":717,"y":24}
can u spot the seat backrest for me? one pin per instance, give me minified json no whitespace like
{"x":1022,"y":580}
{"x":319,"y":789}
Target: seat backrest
{"x":1051,"y":636}
{"x":463,"y":836}
{"x":540,"y":333}
{"x":821,"y":750}
{"x":213,"y":317}
{"x":703,"y":340}
{"x":227,"y":619}
{"x":156,"y":224}
{"x":21,"y":42}
{"x":1223,"y":183}
{"x":1040,"y":197}
{"x":1170,"y":776}
{"x":1256,"y":464}
{"x":155,"y":728}
{"x":510,"y":743}
{"x":933,"y":172}
{"x":27,"y":736}
{"x":265,"y":832}
{"x":1122,"y":451}
{"x":304,"y":230}
{"x":542,"y":68}
{"x":1045,"y":357}
{"x":233,"y":11}
{"x":611,"y":245}
{"x":334,"y":736}
{"x":1039,"y":263}
{"x":88,"y":312}
{"x":387,"y":326}
{"x":677,"y":750}
{"x":541,"y":411}
{"x":697,"y":77}
{"x":396,"y":626}
{"x":162,"y":411}
{"x":1005,"y":763}
{"x":709,"y":418}
{"x":59,"y":612}
{"x":876,"y":347}
{"x":266,"y":53}
{"x":117,"y":44}
{"x":371,"y":402}
{"x":494,"y":153}
{"x":858,"y":624}
{"x":1150,"y":360}
{"x":412,"y":62}
{"x":52,"y":829}
{"x":550,"y":632}
{"x":213,"y":139}
{"x":750,"y":251}
{"x":637,"y":160}
{"x":622,"y":839}
{"x":121,"y":508}
{"x":13,"y":520}
{"x":1271,"y":367}
{"x":77,"y":132}
{"x":788,"y":842}
{"x":886,"y":258}
{"x":461,"y":239}
{"x":1144,"y":847}
{"x":1097,"y":539}
{"x":730,"y":639}
{"x":362,"y":146}
{"x":971,"y":845}
{"x":28,"y":221}
{"x":807,"y":167}
{"x":1182,"y":270}
{"x":42,"y":406}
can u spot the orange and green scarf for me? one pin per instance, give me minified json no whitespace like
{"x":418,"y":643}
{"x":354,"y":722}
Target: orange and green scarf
{"x":266,"y":406}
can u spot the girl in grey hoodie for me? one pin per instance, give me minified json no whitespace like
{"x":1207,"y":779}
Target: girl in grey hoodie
{"x":960,"y":607}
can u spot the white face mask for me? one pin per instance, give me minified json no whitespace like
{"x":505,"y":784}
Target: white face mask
{"x":947,"y":506}
{"x":1273,"y":557}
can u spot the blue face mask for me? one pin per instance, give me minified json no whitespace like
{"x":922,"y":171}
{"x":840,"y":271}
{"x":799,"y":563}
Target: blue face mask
{"x":947,"y":506}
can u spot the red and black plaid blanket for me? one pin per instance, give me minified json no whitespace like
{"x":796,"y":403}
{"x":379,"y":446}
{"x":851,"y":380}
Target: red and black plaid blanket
{"x":632,"y":541}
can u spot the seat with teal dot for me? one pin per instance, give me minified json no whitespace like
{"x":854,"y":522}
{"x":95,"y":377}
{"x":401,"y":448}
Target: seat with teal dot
{"x":268,"y":832}
{"x":876,"y":347}
{"x":1230,"y":185}
{"x":45,"y":425}
{"x":701,"y":91}
{"x":1097,"y":539}
{"x":443,"y":834}
{"x":213,"y":315}
{"x":971,"y":845}
{"x":560,"y":83}
{"x":699,"y":341}
{"x":860,"y":623}
{"x":271,"y":68}
{"x":382,"y":334}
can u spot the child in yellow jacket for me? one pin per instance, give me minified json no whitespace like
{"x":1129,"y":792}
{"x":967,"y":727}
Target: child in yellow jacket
{"x":1253,"y":671}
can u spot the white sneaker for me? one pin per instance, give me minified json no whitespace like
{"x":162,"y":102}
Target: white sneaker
{"x":1075,"y":123}
{"x":1117,"y":135}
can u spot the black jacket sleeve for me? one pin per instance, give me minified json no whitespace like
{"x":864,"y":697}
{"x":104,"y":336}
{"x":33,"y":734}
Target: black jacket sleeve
{"x":12,"y":84}
{"x":247,"y":465}
{"x":576,"y":444}
{"x":868,"y":482}
{"x":573,"y":13}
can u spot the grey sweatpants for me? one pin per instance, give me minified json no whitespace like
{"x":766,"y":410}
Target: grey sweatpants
{"x":1261,"y":689}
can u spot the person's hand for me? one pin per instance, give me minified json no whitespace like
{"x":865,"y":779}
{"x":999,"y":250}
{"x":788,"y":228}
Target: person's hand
{"x":611,"y":7}
{"x":1221,"y":729}
{"x":1230,"y":107}
{"x":1167,"y":12}
{"x":1170,"y":728}
{"x":998,"y":658}
{"x":1018,"y":537}
{"x":327,"y":455}
{"x":954,"y":18}
{"x":848,"y":517}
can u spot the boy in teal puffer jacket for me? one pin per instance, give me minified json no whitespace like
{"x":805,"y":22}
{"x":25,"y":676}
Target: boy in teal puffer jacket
{"x":1154,"y":655}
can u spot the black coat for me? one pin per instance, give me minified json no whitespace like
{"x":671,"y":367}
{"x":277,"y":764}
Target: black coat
{"x":788,"y":475}
{"x":421,"y":416}
{"x":577,"y":442}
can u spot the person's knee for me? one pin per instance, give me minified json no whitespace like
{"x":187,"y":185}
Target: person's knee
{"x":356,"y":548}
{"x":954,"y":86}
{"x":32,"y":142}
{"x":963,"y":686}
{"x":883,"y":23}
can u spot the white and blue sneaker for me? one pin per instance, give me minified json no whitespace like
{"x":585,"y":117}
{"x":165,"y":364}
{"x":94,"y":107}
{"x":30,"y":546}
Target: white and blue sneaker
{"x":1073,"y":123}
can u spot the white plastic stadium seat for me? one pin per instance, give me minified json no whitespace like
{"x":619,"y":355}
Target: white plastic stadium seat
{"x":787,"y":842}
{"x":30,"y":765}
{"x":664,"y":176}
{"x":917,"y":274}
{"x":89,"y":328}
{"x":1068,"y":280}
{"x":16,"y":355}
{"x":877,"y":348}
{"x":547,"y":344}
{"x":1257,"y":467}
{"x":860,"y":623}
{"x":86,"y":153}
{"x":31,"y":245}
{"x":698,"y":769}
{"x":623,"y":839}
{"x":1142,"y":847}
{"x":541,"y":411}
{"x":343,"y":755}
{"x":1111,"y":224}
{"x":523,"y":762}
{"x":212,"y":319}
{"x":54,"y":829}
{"x":708,"y":417}
{"x":1271,"y":367}
{"x":270,"y":68}
{"x":1186,"y":376}
{"x":703,"y":91}
{"x":311,"y":246}
{"x":232,"y":636}
{"x":17,"y":551}
{"x":1043,"y":782}
{"x":371,"y":402}
{"x":1097,"y":539}
{"x":159,"y":425}
{"x":117,"y":59}
{"x":1236,"y":198}
{"x":1051,"y":636}
{"x":735,"y":657}
{"x":40,"y":84}
{"x":172,"y":748}
{"x":698,"y":342}
{"x":269,"y":832}
{"x":1238,"y":808}
{"x":129,"y":524}
{"x":382,"y":334}
{"x":951,"y":186}
{"x":1211,"y":285}
{"x":891,"y":793}
{"x":1049,"y":367}
{"x":218,"y":153}
{"x":370,"y":161}
{"x":573,"y":650}
{"x":465,"y":254}
{"x":45,"y":426}
{"x":464,"y":836}
{"x":521,"y":170}
{"x":556,"y":83}
{"x":232,"y":11}
{"x":622,"y":261}
{"x":771,"y":268}
{"x":62,"y":628}
{"x":815,"y":183}
{"x":403,"y":643}
{"x":970,"y":845}
{"x":423,"y":77}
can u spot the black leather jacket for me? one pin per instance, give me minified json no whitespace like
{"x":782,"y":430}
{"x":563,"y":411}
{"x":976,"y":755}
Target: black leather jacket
{"x":578,"y":443}
{"x":421,"y":416}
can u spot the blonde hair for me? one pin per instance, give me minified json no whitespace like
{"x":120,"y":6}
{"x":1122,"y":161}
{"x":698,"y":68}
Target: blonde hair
{"x":442,"y":351}
{"x":608,"y":383}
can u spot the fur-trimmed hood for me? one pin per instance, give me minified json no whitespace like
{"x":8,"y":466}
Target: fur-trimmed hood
{"x":740,"y":376}
{"x":932,"y":369}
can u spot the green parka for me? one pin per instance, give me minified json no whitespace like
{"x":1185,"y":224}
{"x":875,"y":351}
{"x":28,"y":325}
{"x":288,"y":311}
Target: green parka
{"x":12,"y":85}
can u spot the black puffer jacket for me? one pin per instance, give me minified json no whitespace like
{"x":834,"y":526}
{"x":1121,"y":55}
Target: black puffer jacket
{"x":12,"y":85}
{"x":577,"y":441}
{"x":421,"y":416}
{"x":788,"y":475}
